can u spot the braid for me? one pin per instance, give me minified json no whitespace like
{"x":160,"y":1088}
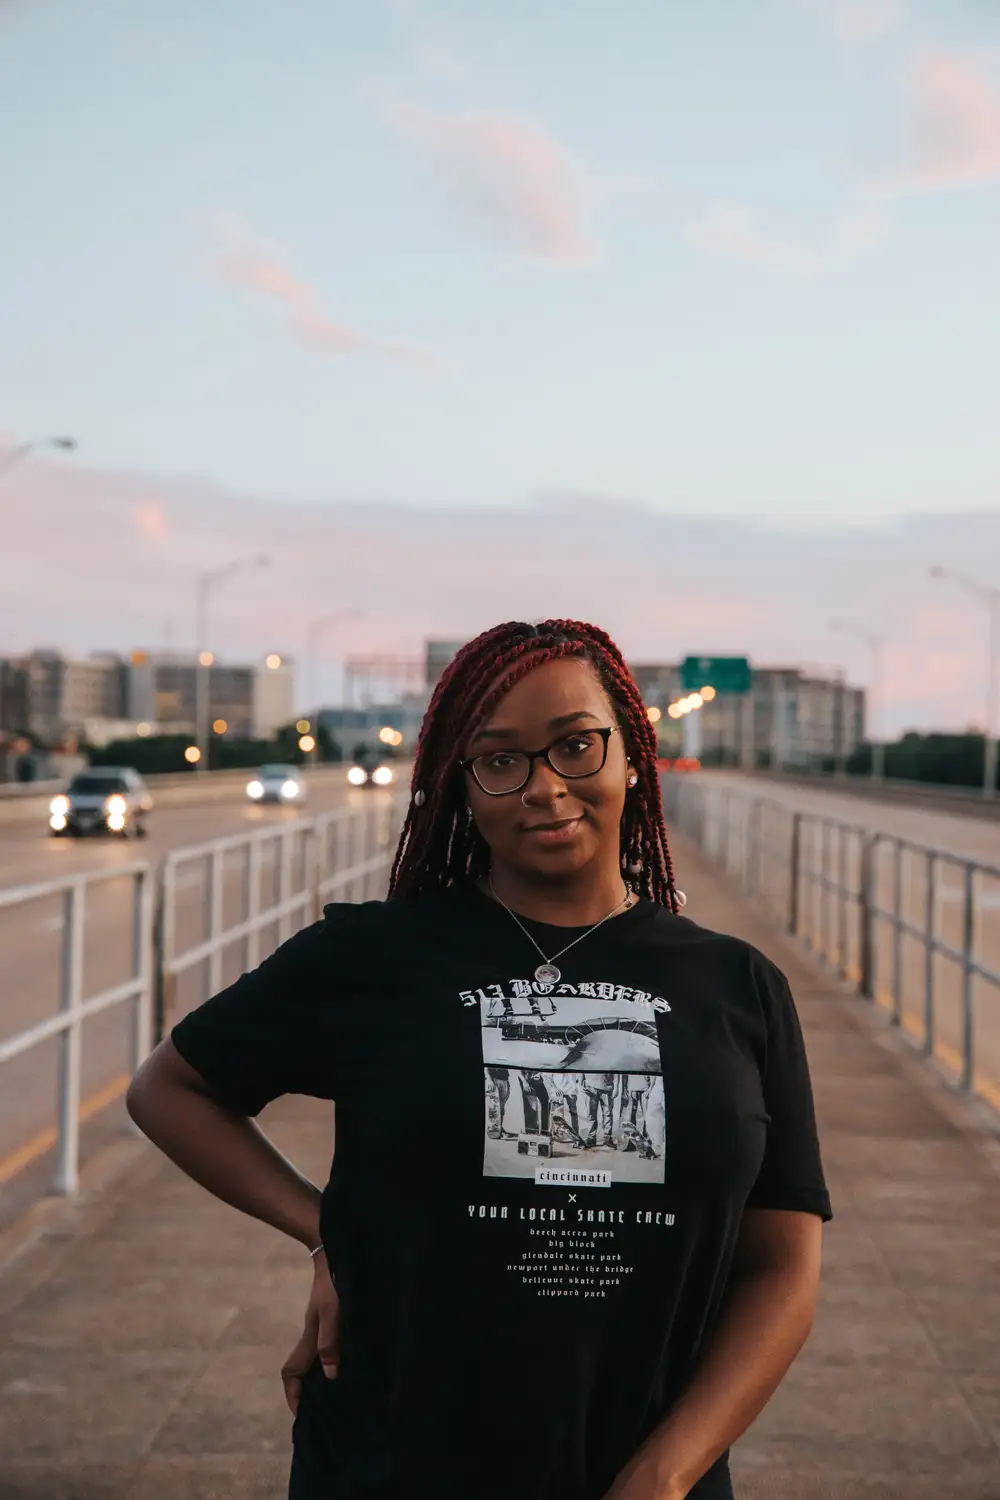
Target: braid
{"x":440,"y":842}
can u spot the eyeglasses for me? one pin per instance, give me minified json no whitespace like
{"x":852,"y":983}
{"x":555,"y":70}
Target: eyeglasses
{"x":500,"y":772}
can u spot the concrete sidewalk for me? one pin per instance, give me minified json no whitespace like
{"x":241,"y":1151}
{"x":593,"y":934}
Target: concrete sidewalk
{"x":142,"y":1333}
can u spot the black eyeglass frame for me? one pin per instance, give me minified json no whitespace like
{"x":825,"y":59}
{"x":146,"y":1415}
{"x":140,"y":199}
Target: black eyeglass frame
{"x":469,"y":766}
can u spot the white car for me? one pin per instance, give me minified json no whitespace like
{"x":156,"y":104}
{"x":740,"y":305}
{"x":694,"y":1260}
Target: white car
{"x":359,"y":775}
{"x":284,"y":784}
{"x":103,"y":799}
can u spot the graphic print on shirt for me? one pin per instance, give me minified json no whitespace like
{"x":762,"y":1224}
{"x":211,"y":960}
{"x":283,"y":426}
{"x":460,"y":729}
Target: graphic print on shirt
{"x":574,"y":1085}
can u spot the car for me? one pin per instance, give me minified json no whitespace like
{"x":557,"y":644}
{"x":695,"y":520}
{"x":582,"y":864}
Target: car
{"x":362,"y":775}
{"x":102,"y":799}
{"x":284,"y":784}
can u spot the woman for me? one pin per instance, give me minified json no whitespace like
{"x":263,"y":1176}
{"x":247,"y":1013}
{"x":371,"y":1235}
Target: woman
{"x":528,"y":1311}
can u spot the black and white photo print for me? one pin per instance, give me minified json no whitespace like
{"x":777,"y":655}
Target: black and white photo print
{"x":574,"y":1087}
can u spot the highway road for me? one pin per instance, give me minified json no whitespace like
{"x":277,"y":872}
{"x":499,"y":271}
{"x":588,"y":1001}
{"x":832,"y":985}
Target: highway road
{"x":30,"y":942}
{"x":960,"y":833}
{"x":929,"y":895}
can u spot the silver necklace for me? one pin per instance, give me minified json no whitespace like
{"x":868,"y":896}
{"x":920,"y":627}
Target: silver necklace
{"x":547,"y":973}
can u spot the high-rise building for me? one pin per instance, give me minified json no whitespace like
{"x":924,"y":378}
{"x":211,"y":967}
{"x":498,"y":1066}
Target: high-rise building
{"x":50,"y":695}
{"x":437,"y":655}
{"x":253,"y":701}
{"x":790,"y":717}
{"x":105,"y":696}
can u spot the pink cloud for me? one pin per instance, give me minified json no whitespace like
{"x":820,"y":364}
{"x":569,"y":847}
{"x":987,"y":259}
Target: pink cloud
{"x":735,"y":232}
{"x":246,"y":261}
{"x":509,"y":176}
{"x":663,"y":584}
{"x":150,"y":520}
{"x":954,"y":125}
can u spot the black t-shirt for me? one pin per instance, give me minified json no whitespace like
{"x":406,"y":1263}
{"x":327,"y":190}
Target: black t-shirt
{"x":536,"y":1189}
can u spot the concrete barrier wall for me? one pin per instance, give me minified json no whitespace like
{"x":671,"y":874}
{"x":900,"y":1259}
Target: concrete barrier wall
{"x":951,"y":799}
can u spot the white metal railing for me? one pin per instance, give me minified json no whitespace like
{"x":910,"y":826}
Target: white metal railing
{"x":181,"y":925}
{"x":343,"y":856}
{"x":75,"y":1008}
{"x":915,"y":928}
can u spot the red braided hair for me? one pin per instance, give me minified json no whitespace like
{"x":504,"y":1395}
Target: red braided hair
{"x":440,"y":842}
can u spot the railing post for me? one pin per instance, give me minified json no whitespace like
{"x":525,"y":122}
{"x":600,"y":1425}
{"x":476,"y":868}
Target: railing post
{"x":842,"y":901}
{"x":824,"y":890}
{"x":315,"y":840}
{"x":968,"y":943}
{"x":254,"y":870}
{"x":141,"y":1035}
{"x":750,"y":865}
{"x":284,"y":884}
{"x":70,"y":1041}
{"x":866,"y":917}
{"x":216,"y":895}
{"x":930,"y":911}
{"x":164,"y":947}
{"x":794,"y":861}
{"x":371,"y":847}
{"x":897,"y":933}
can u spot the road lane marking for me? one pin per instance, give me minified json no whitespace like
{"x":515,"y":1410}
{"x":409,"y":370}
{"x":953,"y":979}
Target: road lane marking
{"x":46,"y":1139}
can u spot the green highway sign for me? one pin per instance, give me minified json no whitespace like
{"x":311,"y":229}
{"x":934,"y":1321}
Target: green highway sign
{"x":726,"y":674}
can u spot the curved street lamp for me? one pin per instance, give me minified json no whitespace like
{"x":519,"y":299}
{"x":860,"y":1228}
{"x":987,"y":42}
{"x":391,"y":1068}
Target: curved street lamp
{"x":21,"y":450}
{"x":314,"y":630}
{"x":989,"y":595}
{"x":206,"y":583}
{"x":876,"y":644}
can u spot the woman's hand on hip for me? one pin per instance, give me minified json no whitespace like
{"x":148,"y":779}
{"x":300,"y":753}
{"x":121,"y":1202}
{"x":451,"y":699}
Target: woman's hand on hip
{"x":320,"y":1339}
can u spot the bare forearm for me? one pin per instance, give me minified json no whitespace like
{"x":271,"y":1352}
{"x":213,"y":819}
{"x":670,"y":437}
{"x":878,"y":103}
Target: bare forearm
{"x":230,"y":1156}
{"x":764,"y":1323}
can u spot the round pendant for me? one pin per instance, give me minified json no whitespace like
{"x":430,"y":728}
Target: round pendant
{"x":548,"y":974}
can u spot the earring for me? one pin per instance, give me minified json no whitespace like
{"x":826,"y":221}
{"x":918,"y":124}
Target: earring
{"x":680,"y":897}
{"x":419,"y":798}
{"x":633,"y":778}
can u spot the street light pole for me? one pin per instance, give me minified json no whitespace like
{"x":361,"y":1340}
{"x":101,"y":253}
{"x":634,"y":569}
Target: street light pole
{"x":876,"y":645}
{"x":205,"y":583}
{"x":839,"y":736}
{"x":315,"y":629}
{"x":989,"y":595}
{"x":15,"y":455}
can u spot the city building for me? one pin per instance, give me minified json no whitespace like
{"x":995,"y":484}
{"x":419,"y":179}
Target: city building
{"x":49,"y":695}
{"x":437,"y":655}
{"x":350,"y":727}
{"x":382,"y":678}
{"x":104,"y":697}
{"x":792,"y":717}
{"x":386,"y":691}
{"x":252,"y":701}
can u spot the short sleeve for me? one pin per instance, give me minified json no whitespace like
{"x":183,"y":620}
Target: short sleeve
{"x":791,"y":1174}
{"x":264,"y":1035}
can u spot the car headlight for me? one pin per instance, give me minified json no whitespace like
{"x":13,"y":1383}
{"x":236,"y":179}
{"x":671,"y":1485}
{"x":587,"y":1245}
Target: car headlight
{"x":357,"y":776}
{"x":382,"y":775}
{"x":59,"y":807}
{"x":290,"y":789}
{"x":116,"y":807}
{"x":255,"y":789}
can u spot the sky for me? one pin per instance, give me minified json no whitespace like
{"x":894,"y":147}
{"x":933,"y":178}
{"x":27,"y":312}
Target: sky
{"x":681,"y":318}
